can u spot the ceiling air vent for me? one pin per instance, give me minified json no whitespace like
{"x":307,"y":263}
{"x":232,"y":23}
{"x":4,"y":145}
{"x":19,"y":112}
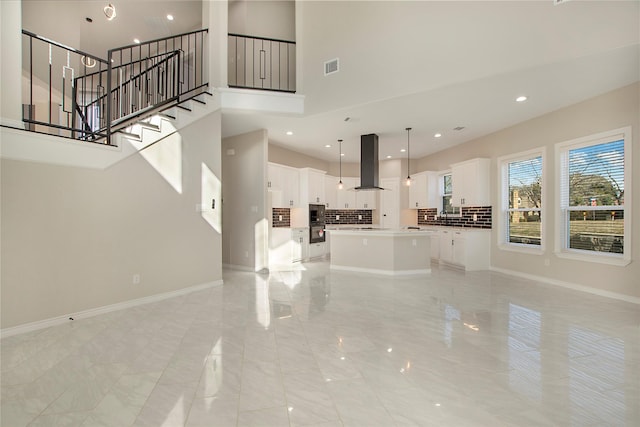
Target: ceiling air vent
{"x":458,"y":128}
{"x":557,"y":2}
{"x":331,"y":66}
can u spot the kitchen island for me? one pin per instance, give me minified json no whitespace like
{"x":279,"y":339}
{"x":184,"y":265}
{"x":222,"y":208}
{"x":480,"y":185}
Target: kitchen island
{"x":381,"y":251}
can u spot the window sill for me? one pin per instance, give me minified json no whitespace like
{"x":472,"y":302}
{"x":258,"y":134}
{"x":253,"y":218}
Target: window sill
{"x":601,"y":259}
{"x":523,"y":249}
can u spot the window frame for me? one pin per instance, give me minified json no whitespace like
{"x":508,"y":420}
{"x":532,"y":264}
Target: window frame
{"x":503,"y":202}
{"x":442,"y":195}
{"x":562,"y":249}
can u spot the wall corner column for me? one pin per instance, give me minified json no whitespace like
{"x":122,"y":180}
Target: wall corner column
{"x":215,"y":16}
{"x":11,"y":63}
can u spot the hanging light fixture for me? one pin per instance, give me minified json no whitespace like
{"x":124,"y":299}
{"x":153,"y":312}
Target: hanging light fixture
{"x":88,"y":62}
{"x":110,"y":11}
{"x":408,"y":181}
{"x":340,"y":185}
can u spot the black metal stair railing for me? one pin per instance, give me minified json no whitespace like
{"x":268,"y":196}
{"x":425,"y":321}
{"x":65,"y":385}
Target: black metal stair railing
{"x":261,"y":63}
{"x":145,"y":77}
{"x":51,"y":104}
{"x":108,"y":95}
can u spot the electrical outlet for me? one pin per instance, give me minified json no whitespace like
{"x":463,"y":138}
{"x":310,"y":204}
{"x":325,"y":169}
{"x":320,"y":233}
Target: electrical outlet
{"x":359,"y":217}
{"x":337,"y":217}
{"x":425,"y":217}
{"x":136,"y":279}
{"x":280,"y":218}
{"x":475,"y":217}
{"x":414,"y":242}
{"x":364,"y":242}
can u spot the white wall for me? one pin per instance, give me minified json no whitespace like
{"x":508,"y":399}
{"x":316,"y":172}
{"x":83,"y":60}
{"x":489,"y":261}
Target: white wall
{"x":610,"y":111}
{"x":72,"y":238}
{"x":245,"y":208}
{"x":271,"y":19}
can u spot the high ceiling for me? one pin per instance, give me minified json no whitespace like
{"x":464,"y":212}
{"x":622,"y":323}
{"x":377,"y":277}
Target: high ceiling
{"x":432,"y":66}
{"x":65,"y":21}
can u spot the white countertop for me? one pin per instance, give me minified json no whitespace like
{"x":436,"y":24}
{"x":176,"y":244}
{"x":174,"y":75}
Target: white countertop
{"x":384,"y":232}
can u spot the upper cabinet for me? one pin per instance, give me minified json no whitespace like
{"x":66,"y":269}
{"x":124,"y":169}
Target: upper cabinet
{"x":331,"y":192}
{"x":312,"y":186}
{"x":366,"y":199}
{"x":470,"y":181}
{"x":283,"y":183}
{"x":423,"y":192}
{"x":346,"y":196}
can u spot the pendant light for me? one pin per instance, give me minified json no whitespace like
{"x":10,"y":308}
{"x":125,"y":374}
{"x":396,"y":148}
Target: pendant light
{"x":110,"y":11}
{"x":340,"y":185}
{"x":408,"y":181}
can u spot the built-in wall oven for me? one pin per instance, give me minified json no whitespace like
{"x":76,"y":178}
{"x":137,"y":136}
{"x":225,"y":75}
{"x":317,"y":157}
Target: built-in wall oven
{"x":316,"y":223}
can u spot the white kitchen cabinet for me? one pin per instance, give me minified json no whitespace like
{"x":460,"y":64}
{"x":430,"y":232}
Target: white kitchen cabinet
{"x":312,"y":186}
{"x":331,"y":192}
{"x":470,"y":181}
{"x":366,"y":199}
{"x":288,"y":245}
{"x":423,"y":192}
{"x":347,"y":196}
{"x":446,"y":246}
{"x":299,"y":244}
{"x":469,"y":249}
{"x":283,"y":182}
{"x":317,"y":250}
{"x":418,"y":191}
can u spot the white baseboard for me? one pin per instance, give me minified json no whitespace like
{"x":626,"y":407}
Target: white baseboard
{"x":381,"y":272}
{"x":238,"y":267}
{"x":54,"y":321}
{"x":569,"y":285}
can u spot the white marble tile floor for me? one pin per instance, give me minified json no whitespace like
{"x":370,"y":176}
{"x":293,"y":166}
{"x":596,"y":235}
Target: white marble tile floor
{"x":311,"y":347}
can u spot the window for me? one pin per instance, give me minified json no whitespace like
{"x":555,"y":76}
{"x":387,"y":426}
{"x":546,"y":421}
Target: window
{"x":446,"y":188}
{"x":595,"y":206}
{"x":521,"y":201}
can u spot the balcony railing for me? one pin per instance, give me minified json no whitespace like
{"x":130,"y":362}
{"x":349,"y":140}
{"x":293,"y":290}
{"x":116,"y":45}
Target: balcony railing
{"x":261,"y":63}
{"x":50,"y":99}
{"x":88,"y":98}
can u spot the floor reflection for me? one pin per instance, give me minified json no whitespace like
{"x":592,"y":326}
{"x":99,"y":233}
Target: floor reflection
{"x":311,"y":346}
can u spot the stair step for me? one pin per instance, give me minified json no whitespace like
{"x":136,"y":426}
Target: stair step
{"x":184,"y":108}
{"x":166,"y":116}
{"x":149,"y":126}
{"x":130,"y":135}
{"x":199,"y":101}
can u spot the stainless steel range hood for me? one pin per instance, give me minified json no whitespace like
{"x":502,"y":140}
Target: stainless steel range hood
{"x":369,"y":163}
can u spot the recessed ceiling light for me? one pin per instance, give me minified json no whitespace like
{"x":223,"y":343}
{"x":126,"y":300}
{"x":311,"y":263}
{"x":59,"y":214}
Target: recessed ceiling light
{"x":327,"y":146}
{"x":437,"y":135}
{"x":170,"y":17}
{"x":136,"y":41}
{"x":521,"y":98}
{"x":342,"y":154}
{"x":88,"y":19}
{"x":388,"y":157}
{"x":403,"y":150}
{"x":289,"y":132}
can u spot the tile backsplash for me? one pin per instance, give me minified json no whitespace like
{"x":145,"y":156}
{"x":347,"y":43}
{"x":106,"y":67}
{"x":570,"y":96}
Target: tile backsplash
{"x":348,"y":216}
{"x":483,"y":217}
{"x":285,"y":213}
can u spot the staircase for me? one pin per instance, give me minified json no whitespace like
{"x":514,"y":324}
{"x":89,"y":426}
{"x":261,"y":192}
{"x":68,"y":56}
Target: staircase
{"x":150,"y":130}
{"x":139,"y":95}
